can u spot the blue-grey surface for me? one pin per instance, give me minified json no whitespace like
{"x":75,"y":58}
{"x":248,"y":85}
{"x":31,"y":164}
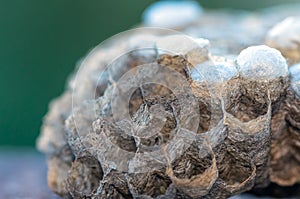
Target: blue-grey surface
{"x":23,"y":175}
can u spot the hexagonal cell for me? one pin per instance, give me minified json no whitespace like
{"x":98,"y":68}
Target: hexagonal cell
{"x":235,"y":172}
{"x":114,"y":185}
{"x":84,"y":177}
{"x":285,"y":158}
{"x":261,"y":62}
{"x":152,"y":184}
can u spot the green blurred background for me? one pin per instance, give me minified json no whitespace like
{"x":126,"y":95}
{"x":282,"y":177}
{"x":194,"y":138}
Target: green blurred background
{"x":40,"y":43}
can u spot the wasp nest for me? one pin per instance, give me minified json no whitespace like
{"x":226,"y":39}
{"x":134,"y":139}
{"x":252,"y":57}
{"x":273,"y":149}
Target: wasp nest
{"x":153,"y":113}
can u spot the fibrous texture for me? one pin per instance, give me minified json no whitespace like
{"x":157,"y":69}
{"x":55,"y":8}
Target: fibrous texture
{"x":154,"y":113}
